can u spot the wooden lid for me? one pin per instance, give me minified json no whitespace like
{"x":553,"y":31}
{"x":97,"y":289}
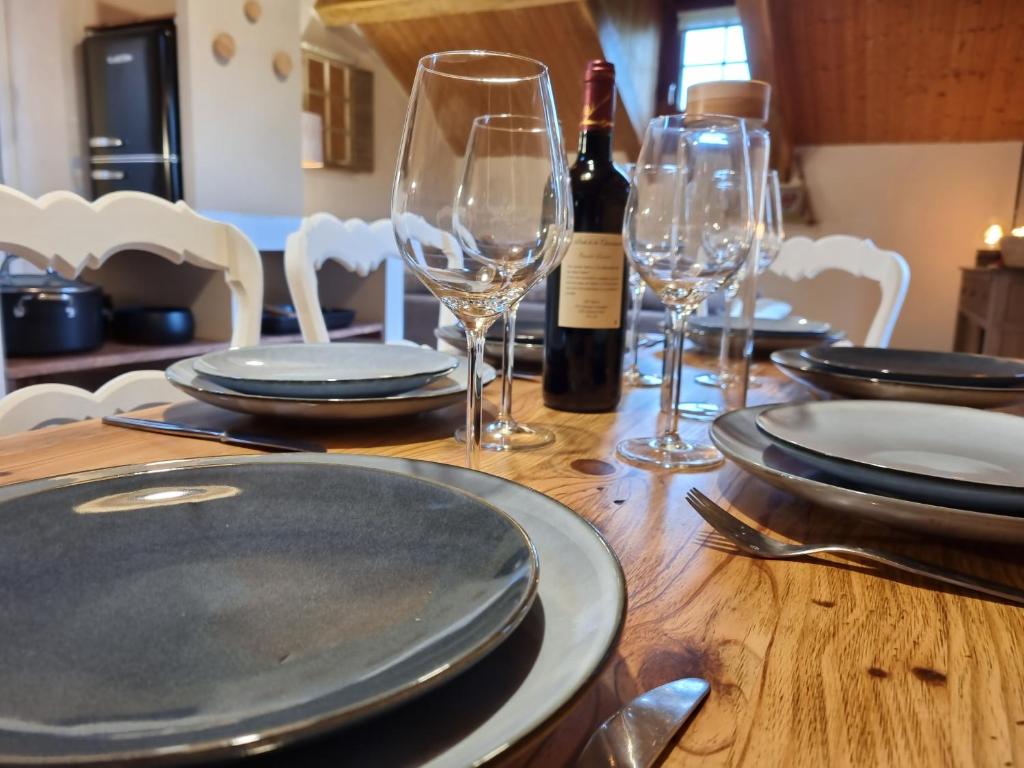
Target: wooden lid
{"x":738,"y":98}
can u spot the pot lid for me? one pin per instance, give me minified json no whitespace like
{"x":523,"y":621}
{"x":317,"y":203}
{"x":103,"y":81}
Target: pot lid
{"x":50,"y":282}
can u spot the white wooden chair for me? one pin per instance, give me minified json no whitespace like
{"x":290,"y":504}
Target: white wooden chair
{"x":361,"y":247}
{"x":63,"y":231}
{"x":802,"y":258}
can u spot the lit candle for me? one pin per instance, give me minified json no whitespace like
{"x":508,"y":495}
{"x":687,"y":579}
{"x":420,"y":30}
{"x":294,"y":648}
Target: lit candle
{"x":992,"y":237}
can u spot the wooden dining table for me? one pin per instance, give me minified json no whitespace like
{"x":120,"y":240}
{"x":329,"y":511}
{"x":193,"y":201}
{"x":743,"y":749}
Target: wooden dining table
{"x":812,"y":662}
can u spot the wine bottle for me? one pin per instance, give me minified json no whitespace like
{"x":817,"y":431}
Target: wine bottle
{"x":584,"y":329}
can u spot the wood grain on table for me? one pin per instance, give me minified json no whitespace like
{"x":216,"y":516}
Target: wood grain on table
{"x":811,"y":662}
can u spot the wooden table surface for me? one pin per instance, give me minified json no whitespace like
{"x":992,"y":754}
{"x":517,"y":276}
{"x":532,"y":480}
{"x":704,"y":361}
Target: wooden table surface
{"x":812,"y":663}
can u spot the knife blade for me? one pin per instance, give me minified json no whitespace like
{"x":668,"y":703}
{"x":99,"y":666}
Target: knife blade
{"x":222,"y":435}
{"x":638,"y":733}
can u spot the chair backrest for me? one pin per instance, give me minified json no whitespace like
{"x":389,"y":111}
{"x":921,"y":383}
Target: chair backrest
{"x":63,"y":231}
{"x":802,"y":258}
{"x":361,"y":247}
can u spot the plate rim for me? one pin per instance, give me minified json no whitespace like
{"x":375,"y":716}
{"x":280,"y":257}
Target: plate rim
{"x":700,"y":324}
{"x":953,"y":380}
{"x":295,"y":732}
{"x":942,"y":481}
{"x":400,"y":396}
{"x":782,"y":358}
{"x":451,"y":364}
{"x":789,"y":482}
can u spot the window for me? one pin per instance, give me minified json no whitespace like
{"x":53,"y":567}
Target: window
{"x":341,"y":96}
{"x":712,"y":48}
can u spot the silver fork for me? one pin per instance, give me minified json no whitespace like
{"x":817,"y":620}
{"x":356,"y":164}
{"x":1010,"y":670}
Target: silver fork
{"x":756,"y":543}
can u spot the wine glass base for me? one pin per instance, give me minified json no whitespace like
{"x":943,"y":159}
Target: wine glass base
{"x":510,"y":436}
{"x":700,"y":411}
{"x":668,"y":453}
{"x":717,"y":380}
{"x":634,"y":378}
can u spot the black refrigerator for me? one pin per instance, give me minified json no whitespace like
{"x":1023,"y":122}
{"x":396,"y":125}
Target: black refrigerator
{"x":131,"y":81}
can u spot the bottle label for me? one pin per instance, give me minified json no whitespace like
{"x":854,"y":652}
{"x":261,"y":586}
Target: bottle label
{"x":590,"y":292}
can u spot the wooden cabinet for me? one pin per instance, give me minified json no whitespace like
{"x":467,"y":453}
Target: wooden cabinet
{"x":990,"y":317}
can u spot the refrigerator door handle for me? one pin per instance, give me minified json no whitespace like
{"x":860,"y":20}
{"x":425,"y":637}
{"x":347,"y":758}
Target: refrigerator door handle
{"x":102,"y":174}
{"x":104,"y":142}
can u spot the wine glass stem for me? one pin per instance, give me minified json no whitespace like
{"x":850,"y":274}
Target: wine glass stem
{"x":634,"y":324}
{"x":474,"y":392}
{"x":725,"y":340}
{"x":672,"y":386}
{"x":507,"y":362}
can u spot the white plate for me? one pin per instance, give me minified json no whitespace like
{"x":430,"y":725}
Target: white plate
{"x":792,"y":363}
{"x":736,"y":435}
{"x":325,"y":370}
{"x":526,"y":682}
{"x":934,"y":453}
{"x":439,"y":393}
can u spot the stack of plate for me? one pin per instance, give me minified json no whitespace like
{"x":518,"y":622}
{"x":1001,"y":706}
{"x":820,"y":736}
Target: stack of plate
{"x":243,"y":603}
{"x":944,"y":469}
{"x":325,"y":381}
{"x":950,"y":378}
{"x":769,"y":334}
{"x":529,"y":342}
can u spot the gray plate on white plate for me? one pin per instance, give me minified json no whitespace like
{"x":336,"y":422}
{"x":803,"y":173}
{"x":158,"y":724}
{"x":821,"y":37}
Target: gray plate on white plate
{"x":919,"y":365}
{"x":215,"y":607}
{"x":769,"y":334}
{"x":439,"y":393}
{"x":523,"y":684}
{"x":794,"y":365}
{"x":325,"y":370}
{"x":939,"y":454}
{"x":529,"y":348}
{"x":737,"y":436}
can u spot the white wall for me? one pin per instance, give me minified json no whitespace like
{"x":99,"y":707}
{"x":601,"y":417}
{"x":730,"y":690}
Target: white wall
{"x":929,"y":202}
{"x":240,"y":125}
{"x":349,"y":194}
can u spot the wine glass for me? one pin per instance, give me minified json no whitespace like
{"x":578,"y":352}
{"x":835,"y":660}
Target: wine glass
{"x":449,"y":238}
{"x":687,"y":229}
{"x":498,"y":206}
{"x":768,"y":243}
{"x":633,"y":376}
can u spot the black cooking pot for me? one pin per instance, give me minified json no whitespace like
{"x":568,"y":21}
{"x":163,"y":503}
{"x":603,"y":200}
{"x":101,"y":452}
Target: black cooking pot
{"x":49,"y":315}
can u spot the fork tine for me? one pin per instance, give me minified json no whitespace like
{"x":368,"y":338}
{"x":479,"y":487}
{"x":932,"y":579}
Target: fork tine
{"x":727,"y":525}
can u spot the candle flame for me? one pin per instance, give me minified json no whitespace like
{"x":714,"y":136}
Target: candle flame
{"x":993,"y":235}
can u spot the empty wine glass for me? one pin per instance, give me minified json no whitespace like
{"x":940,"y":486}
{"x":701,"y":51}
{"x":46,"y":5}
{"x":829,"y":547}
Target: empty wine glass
{"x":687,"y":229}
{"x":633,"y":376}
{"x":506,"y":165}
{"x":768,"y":243}
{"x":452,"y":240}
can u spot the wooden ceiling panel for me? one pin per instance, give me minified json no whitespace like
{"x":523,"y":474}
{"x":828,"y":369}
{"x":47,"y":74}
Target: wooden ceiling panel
{"x":863,"y":71}
{"x":564,"y":35}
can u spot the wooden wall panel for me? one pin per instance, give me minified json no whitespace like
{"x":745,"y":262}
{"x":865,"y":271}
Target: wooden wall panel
{"x":865,"y":71}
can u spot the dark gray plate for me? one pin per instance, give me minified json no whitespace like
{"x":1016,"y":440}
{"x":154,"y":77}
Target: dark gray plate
{"x":737,"y":436}
{"x":214,"y":607}
{"x":792,"y":363}
{"x":529,"y":346}
{"x":923,"y":366}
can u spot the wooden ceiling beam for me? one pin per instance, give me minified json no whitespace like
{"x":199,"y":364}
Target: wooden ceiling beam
{"x":762,"y":51}
{"x":338,"y":12}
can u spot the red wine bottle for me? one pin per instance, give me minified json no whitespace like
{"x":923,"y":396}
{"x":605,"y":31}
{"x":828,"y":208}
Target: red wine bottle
{"x":584,"y":329}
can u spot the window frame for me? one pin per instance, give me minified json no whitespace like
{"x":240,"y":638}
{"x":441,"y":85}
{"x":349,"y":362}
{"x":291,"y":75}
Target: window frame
{"x":705,"y":18}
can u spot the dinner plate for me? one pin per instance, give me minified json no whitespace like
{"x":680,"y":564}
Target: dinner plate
{"x":934,"y":453}
{"x":325,"y":370}
{"x":529,"y":343}
{"x":210,"y":608}
{"x":439,"y":393}
{"x":737,"y":436}
{"x":956,"y":368}
{"x":792,"y":326}
{"x":799,"y":368}
{"x":522,"y":686}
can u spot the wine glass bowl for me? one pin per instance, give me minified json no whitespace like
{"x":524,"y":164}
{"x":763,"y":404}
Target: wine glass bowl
{"x":480,"y":202}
